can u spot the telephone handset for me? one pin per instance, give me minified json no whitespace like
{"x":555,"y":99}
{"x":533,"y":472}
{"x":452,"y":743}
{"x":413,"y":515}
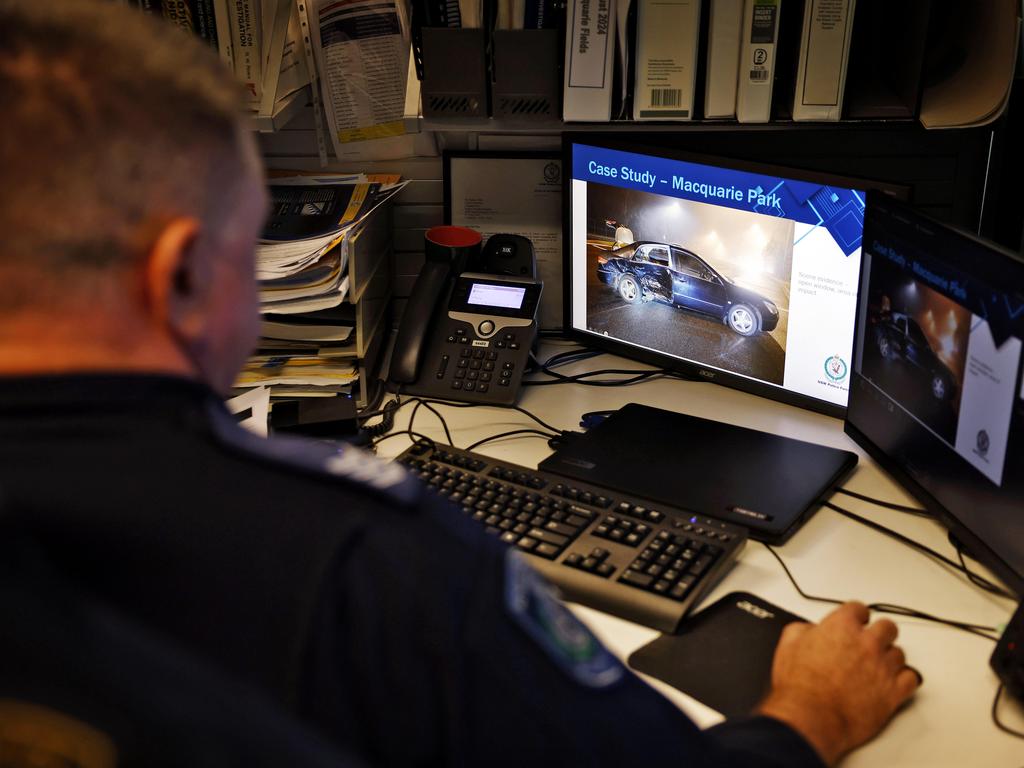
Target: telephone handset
{"x":466,"y":335}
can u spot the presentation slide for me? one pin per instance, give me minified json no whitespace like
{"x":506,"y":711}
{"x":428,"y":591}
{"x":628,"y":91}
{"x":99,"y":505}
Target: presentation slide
{"x":937,"y":360}
{"x":750,"y":274}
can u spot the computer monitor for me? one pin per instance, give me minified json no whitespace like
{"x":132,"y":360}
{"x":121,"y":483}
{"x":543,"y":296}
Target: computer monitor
{"x":739,"y":273}
{"x":936,"y":396}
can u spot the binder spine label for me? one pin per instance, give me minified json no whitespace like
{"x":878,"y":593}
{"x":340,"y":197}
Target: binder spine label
{"x":590,"y":27}
{"x":764,"y":27}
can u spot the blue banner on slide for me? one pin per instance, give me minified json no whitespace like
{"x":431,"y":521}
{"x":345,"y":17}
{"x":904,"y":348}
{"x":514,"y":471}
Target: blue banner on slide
{"x":839,"y":210}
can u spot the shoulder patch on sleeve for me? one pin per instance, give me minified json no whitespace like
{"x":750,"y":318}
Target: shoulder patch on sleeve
{"x":357,"y":466}
{"x":535,"y":607}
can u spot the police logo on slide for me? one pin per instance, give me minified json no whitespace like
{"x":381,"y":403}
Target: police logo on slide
{"x":982,"y":443}
{"x":552,"y":173}
{"x":835,"y":368}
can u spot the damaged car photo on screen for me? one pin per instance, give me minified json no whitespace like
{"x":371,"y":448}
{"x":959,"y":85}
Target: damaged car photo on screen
{"x":698,"y":281}
{"x":915,"y":348}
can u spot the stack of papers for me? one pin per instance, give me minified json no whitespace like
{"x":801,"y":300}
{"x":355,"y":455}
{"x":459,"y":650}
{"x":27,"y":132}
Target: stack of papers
{"x":307,"y":330}
{"x":302,"y":258}
{"x":298,"y":371}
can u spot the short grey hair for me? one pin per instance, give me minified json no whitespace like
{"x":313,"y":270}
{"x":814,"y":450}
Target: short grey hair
{"x":111,"y":120}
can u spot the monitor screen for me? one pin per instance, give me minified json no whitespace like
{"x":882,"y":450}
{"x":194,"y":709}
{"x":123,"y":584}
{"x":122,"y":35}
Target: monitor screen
{"x":739,"y":273}
{"x":936,"y":391}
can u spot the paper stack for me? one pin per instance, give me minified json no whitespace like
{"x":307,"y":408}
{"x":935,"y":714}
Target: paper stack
{"x":302,"y":265}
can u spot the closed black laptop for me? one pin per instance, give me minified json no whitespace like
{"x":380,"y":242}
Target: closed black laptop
{"x":767,"y":483}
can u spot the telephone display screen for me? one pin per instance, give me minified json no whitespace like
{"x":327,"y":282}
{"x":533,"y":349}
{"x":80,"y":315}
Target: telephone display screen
{"x":488,"y":295}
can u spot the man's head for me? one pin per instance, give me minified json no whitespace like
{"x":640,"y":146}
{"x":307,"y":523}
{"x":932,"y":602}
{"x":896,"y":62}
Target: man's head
{"x":131,"y":196}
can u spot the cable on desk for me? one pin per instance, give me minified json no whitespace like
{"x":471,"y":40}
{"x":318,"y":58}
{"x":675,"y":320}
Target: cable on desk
{"x":426,"y":404}
{"x":568,"y":356}
{"x":975,"y":578}
{"x":387,"y":421}
{"x":535,"y":432}
{"x":636,"y":376}
{"x":419,"y":438}
{"x":886,"y":504}
{"x":995,"y":715}
{"x":899,"y":610}
{"x":380,"y":387}
{"x":513,"y":407}
{"x":978,"y":581}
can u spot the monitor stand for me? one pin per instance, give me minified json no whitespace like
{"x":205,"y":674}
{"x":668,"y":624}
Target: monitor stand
{"x":766,"y":483}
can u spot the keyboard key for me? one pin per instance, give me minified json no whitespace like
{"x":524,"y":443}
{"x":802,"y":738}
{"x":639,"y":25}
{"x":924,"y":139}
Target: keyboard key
{"x":551,"y":538}
{"x":636,"y":579}
{"x":547,"y":550}
{"x":562,"y":528}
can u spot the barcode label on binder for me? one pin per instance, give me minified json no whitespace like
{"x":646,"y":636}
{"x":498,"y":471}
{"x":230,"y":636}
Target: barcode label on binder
{"x":666,"y":97}
{"x":759,"y":75}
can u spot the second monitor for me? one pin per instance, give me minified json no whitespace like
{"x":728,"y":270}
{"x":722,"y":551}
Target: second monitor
{"x":741,"y":274}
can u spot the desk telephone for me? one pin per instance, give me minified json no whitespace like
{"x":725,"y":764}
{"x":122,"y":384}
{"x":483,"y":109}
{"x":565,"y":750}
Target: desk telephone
{"x":471,"y":320}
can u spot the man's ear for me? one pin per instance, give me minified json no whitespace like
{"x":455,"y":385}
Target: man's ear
{"x":177,"y":279}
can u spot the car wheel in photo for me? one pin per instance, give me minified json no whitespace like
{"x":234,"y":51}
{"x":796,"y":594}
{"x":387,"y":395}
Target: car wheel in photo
{"x":629,"y":289}
{"x":744,"y":320}
{"x":884,"y":347}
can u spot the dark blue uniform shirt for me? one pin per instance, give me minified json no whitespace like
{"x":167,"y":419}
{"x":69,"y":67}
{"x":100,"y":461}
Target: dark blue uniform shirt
{"x":334,"y":581}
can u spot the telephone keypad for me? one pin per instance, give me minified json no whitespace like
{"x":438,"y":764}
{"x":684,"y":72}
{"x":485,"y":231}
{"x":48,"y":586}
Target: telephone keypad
{"x":482,"y":363}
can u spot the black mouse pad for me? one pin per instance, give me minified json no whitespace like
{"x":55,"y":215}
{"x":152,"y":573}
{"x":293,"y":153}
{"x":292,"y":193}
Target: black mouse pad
{"x":722,"y":656}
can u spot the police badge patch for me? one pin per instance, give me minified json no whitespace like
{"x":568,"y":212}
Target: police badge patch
{"x":534,"y":606}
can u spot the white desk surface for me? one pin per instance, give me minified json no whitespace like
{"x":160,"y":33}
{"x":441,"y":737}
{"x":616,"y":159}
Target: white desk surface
{"x":949,"y":722}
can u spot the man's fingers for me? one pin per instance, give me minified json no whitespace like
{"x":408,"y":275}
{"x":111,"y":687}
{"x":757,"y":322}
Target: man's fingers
{"x":895,"y":658}
{"x":884,"y":631}
{"x":792,"y":631}
{"x":851,"y":612}
{"x":907,"y":681}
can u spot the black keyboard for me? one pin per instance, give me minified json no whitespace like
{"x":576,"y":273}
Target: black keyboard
{"x":603,"y":549}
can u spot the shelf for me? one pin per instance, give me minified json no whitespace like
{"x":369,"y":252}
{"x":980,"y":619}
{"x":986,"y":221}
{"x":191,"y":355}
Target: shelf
{"x":417,"y":124}
{"x":284,"y":111}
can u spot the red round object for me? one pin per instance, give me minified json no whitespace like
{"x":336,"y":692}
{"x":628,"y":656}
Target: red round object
{"x":453,"y":237}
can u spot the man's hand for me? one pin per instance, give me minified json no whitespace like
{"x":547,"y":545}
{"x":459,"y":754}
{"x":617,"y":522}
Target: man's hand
{"x":838,"y":682}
